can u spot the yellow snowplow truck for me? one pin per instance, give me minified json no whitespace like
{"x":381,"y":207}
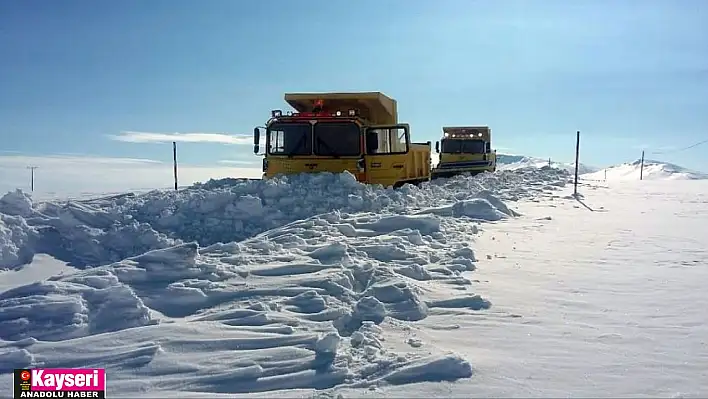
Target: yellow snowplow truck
{"x":334,"y":132}
{"x":465,"y":149}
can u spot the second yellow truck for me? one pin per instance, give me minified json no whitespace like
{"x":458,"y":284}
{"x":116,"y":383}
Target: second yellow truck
{"x":334,"y":132}
{"x":465,"y":149}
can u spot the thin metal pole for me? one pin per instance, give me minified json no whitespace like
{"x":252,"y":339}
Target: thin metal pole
{"x":174,"y":160}
{"x":577,"y":156}
{"x":641,"y":167}
{"x":32,"y":168}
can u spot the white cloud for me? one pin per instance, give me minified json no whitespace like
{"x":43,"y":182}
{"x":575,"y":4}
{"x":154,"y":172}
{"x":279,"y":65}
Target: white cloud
{"x":148,"y":137}
{"x":63,"y":175}
{"x":239,"y":162}
{"x":10,"y":161}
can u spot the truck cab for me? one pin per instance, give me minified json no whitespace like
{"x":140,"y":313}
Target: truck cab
{"x":465,"y":149}
{"x":334,"y":132}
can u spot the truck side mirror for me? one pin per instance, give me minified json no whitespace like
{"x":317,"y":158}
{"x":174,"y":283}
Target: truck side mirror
{"x":437,"y":147}
{"x":372,"y":142}
{"x":489,"y":147}
{"x":256,"y":140}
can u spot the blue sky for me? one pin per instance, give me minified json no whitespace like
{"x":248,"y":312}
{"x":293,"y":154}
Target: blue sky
{"x":628,"y":74}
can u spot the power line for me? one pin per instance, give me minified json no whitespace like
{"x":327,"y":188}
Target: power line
{"x":680,"y":149}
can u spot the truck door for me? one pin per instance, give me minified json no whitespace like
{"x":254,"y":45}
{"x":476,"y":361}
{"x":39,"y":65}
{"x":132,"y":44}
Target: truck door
{"x":386,"y":153}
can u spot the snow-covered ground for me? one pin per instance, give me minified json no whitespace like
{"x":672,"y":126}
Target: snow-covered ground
{"x":497,"y":285}
{"x":653,"y":170}
{"x":602,"y":297}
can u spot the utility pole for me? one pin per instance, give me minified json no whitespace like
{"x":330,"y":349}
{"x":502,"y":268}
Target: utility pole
{"x":577,"y":155}
{"x":641,"y":167}
{"x":174,"y":160}
{"x":32,"y":168}
{"x":549,"y":162}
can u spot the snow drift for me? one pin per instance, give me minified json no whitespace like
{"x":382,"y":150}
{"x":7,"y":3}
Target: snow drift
{"x":105,"y":230}
{"x":237,"y":286}
{"x":653,"y":170}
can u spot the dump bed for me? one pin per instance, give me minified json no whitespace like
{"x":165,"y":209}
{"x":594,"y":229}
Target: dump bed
{"x":375,"y":107}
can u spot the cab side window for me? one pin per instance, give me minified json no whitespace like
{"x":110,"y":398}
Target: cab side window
{"x":387,"y":140}
{"x":277,"y":141}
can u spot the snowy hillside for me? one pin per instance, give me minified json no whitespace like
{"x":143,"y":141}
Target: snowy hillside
{"x":653,"y":170}
{"x":512,"y":162}
{"x":316,"y":286}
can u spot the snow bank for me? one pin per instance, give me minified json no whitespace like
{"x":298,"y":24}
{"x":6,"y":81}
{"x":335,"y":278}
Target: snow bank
{"x":74,"y":232}
{"x":106,"y":230}
{"x":293,"y":286}
{"x":16,"y":241}
{"x":295,"y":307}
{"x":73,"y":306}
{"x":653,"y":170}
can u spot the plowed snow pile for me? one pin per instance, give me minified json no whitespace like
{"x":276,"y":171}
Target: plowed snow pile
{"x":252,"y":286}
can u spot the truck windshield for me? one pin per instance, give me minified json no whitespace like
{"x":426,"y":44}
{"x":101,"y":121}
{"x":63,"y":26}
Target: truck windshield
{"x":455,"y":146}
{"x":290,"y":139}
{"x":340,"y":139}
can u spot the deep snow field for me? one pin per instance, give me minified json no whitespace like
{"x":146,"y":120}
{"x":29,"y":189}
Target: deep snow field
{"x":496,"y":285}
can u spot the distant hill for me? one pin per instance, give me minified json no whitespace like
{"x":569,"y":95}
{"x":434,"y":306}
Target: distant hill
{"x":653,"y":170}
{"x":511,"y":162}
